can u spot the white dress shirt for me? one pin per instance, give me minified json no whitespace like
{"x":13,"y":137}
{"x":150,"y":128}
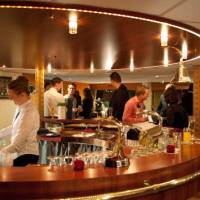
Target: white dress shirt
{"x":23,"y":131}
{"x":51,"y":99}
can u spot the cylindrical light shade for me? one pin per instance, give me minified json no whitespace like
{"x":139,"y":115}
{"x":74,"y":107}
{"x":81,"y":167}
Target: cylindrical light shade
{"x":73,"y":25}
{"x":184,"y":50}
{"x":164,"y":35}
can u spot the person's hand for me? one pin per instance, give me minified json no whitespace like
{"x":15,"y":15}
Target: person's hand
{"x":110,"y":118}
{"x":75,"y":109}
{"x":145,"y":118}
{"x":79,"y":109}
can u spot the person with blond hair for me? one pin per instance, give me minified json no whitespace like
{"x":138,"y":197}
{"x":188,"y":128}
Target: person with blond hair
{"x":135,"y":106}
{"x":25,"y":125}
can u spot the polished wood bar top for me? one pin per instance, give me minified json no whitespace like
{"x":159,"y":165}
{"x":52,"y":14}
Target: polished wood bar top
{"x":58,"y":182}
{"x":77,"y":121}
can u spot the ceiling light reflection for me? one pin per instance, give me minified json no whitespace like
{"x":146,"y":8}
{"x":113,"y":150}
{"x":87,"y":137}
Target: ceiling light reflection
{"x":109,"y":57}
{"x":109,"y":51}
{"x":92,"y":67}
{"x":166,"y":58}
{"x":132,"y":66}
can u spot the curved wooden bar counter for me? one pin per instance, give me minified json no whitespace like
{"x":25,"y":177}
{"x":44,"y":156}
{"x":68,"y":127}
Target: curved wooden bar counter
{"x":62,"y":182}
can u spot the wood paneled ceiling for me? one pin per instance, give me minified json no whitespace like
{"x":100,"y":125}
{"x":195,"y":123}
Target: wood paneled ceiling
{"x":101,"y":39}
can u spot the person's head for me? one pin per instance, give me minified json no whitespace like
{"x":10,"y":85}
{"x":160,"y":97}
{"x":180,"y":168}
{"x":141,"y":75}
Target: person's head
{"x":57,"y":83}
{"x":71,"y":89}
{"x":87,"y":93}
{"x":47,"y":85}
{"x":171,"y":95}
{"x":115,"y":79}
{"x":18,"y":90}
{"x":142,"y":93}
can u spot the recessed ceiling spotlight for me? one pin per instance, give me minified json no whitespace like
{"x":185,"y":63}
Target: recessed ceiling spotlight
{"x":3,"y":66}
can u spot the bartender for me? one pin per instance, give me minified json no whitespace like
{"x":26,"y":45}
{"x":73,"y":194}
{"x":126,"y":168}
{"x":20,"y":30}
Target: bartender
{"x":24,"y":127}
{"x":135,"y":106}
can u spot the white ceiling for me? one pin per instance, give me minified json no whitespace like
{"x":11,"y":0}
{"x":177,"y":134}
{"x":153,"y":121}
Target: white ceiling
{"x":185,"y":11}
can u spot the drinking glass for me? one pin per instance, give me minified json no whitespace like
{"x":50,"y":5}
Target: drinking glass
{"x":110,"y":112}
{"x":177,"y":141}
{"x":68,"y":160}
{"x":52,"y":160}
{"x":191,"y":126}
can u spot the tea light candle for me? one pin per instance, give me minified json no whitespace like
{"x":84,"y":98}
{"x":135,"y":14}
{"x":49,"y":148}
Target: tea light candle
{"x":78,"y":165}
{"x":170,"y":148}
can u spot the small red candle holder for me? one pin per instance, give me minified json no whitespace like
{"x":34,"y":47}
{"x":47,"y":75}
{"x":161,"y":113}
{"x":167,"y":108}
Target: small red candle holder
{"x":78,"y":165}
{"x":170,"y":148}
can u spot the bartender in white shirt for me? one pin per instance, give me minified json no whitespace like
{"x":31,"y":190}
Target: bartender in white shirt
{"x":52,"y":97}
{"x":24,"y":127}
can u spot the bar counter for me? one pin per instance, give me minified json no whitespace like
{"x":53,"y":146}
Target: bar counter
{"x":143,"y":179}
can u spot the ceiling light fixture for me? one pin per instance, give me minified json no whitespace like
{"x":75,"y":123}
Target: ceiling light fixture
{"x":49,"y":68}
{"x":73,"y":24}
{"x":164,"y":35}
{"x":3,"y":66}
{"x":184,"y":50}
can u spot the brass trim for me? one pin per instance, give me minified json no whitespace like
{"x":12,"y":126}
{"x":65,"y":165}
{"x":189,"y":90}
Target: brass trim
{"x":155,"y":188}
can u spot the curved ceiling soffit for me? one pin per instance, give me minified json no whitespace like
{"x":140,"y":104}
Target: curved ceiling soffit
{"x":105,"y":37}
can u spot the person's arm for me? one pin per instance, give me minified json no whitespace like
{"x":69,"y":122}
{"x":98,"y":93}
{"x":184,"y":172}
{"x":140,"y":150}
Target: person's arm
{"x":28,"y":124}
{"x":6,"y":131}
{"x":129,"y":115}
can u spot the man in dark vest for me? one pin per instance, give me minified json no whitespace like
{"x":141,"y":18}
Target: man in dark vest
{"x":120,"y":96}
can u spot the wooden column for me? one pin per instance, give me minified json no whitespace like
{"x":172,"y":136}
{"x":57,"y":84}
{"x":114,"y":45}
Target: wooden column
{"x":196,"y":99}
{"x":39,"y":84}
